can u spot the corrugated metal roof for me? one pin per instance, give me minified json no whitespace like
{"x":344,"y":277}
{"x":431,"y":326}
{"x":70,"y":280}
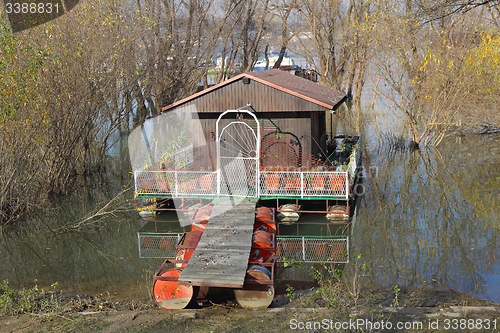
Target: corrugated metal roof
{"x":284,"y":81}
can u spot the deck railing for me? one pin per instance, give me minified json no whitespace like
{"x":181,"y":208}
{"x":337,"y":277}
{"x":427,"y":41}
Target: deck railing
{"x":331,"y":184}
{"x":295,"y":184}
{"x":291,"y":184}
{"x":312,"y":249}
{"x":309,"y":249}
{"x":176,"y":183}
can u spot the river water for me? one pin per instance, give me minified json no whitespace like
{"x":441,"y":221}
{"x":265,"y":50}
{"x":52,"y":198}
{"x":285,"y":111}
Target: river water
{"x":101,"y":257}
{"x":426,"y":218}
{"x":431,"y":217}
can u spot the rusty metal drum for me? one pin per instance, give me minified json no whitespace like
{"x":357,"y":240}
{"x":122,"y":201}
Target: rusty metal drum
{"x":264,"y":214}
{"x":260,"y":256}
{"x":267,"y":226}
{"x":255,"y":295}
{"x":262,"y":239}
{"x":172,"y":294}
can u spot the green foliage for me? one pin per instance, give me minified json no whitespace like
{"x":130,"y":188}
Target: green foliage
{"x":291,"y":263}
{"x":332,"y":291}
{"x":395,"y":303}
{"x":31,"y":300}
{"x":173,"y":147}
{"x":290,"y":292}
{"x":445,"y":64}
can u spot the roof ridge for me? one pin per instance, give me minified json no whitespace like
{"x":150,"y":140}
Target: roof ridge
{"x":321,"y":95}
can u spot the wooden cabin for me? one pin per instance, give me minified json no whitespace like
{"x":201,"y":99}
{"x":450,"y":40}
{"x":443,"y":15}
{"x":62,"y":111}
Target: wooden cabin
{"x":291,"y":112}
{"x":283,"y":159}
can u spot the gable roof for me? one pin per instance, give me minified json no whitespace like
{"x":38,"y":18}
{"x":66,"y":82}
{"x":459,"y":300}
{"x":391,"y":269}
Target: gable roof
{"x":283,"y":81}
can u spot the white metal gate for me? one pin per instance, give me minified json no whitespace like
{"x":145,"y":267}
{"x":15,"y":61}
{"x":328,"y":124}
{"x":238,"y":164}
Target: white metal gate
{"x":238,"y":154}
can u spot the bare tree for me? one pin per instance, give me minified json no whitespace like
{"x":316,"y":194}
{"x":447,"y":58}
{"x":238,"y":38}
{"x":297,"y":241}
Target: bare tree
{"x":283,"y":11}
{"x":253,"y":17}
{"x":80,"y":79}
{"x":437,"y":73}
{"x":441,"y":9}
{"x":338,"y":41}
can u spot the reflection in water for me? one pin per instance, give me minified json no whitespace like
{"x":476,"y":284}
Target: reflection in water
{"x":98,"y":259}
{"x":431,"y":218}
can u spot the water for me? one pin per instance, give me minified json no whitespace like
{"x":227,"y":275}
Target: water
{"x":427,"y":218}
{"x":100,"y":258}
{"x":431,"y":217}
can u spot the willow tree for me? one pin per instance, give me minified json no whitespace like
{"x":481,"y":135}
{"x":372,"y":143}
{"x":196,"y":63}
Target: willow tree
{"x":439,"y":70}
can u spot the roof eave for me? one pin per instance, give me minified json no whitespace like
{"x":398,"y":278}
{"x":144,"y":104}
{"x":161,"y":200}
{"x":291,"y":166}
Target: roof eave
{"x":291,"y":92}
{"x":331,"y":107}
{"x":203,"y":92}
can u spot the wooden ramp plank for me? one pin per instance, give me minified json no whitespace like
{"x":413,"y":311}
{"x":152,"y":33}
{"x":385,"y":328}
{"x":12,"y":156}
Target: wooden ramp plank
{"x":221,"y":257}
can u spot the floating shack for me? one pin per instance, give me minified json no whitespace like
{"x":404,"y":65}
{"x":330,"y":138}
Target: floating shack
{"x":258,"y":156}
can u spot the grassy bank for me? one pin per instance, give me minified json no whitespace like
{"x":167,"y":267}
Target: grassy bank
{"x":374,"y":306}
{"x":338,"y":297}
{"x":47,"y":304}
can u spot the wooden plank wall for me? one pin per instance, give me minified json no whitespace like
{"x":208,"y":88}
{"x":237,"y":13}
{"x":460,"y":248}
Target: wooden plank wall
{"x":265,"y":101}
{"x":262,"y":97}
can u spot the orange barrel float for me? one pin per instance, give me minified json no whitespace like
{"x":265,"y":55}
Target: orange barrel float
{"x":264,"y":220}
{"x":203,"y":213}
{"x":267,"y":226}
{"x":172,"y":294}
{"x":260,"y":256}
{"x":201,"y":218}
{"x":191,"y":240}
{"x":199,"y":225}
{"x":262,"y":238}
{"x":264,"y":214}
{"x":254,"y":295}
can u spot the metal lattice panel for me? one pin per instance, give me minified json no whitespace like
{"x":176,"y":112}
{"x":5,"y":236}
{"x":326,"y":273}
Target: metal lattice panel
{"x":238,"y":177}
{"x":238,"y":180}
{"x":303,"y":184}
{"x":312,"y":249}
{"x":158,"y":246}
{"x":176,"y":183}
{"x":152,"y":182}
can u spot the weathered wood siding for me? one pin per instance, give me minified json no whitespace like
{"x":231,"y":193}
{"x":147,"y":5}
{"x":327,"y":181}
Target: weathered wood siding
{"x":262,"y":97}
{"x":290,"y":113}
{"x":318,"y":132}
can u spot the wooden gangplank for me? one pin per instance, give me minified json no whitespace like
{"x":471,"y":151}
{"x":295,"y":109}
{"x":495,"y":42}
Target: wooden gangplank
{"x":221,"y":257}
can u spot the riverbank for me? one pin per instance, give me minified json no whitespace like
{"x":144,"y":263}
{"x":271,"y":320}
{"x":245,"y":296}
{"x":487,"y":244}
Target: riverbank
{"x":375,"y":306}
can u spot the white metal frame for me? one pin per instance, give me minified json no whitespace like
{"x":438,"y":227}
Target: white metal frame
{"x":257,"y":146}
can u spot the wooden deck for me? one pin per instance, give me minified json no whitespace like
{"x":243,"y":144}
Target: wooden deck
{"x":221,"y":258}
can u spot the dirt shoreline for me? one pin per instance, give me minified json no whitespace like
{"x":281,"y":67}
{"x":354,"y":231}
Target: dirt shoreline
{"x":375,"y":305}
